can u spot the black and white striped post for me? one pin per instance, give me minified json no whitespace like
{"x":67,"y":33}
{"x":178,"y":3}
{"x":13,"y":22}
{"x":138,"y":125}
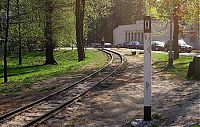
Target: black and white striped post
{"x":147,"y":68}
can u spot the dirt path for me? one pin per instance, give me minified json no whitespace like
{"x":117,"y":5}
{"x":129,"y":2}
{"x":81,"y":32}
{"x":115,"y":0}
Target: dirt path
{"x":120,"y":99}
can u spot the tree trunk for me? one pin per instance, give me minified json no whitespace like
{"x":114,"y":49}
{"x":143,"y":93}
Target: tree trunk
{"x":19,"y":33}
{"x":176,"y":34}
{"x":80,"y":5}
{"x":48,"y":33}
{"x":6,"y":42}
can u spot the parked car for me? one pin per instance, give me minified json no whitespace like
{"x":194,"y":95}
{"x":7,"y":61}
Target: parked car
{"x":125,"y":45}
{"x":107,"y":45}
{"x":119,"y":46}
{"x":141,"y":45}
{"x":158,"y":45}
{"x":133,"y":44}
{"x":96,"y":45}
{"x":122,"y":45}
{"x":183,"y":46}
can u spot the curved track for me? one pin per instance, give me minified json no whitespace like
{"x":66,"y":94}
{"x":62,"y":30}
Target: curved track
{"x":44,"y":108}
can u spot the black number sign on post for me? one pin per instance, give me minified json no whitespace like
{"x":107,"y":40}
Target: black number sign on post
{"x":147,"y":24}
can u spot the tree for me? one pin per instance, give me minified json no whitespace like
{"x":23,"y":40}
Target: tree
{"x":80,"y":7}
{"x":45,"y":24}
{"x":180,"y":15}
{"x":118,"y":12}
{"x":6,"y":40}
{"x":86,"y":12}
{"x":176,"y":32}
{"x":48,"y":32}
{"x":19,"y":32}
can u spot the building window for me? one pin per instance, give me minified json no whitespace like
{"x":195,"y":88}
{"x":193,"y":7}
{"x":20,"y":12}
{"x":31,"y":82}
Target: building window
{"x":126,"y":37}
{"x":132,"y":37}
{"x":129,"y":37}
{"x":135,"y":37}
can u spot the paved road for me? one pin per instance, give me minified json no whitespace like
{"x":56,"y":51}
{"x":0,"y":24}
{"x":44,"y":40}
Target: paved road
{"x":69,"y":48}
{"x":183,"y":54}
{"x":130,"y":50}
{"x":189,"y":54}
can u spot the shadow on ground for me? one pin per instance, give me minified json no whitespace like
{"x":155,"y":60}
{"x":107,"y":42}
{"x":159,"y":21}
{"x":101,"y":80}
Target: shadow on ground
{"x":119,"y":100}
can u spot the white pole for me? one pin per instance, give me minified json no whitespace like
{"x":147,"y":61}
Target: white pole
{"x":147,"y":68}
{"x":198,"y":6}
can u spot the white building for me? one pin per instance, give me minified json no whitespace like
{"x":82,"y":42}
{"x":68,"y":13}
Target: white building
{"x":160,"y":32}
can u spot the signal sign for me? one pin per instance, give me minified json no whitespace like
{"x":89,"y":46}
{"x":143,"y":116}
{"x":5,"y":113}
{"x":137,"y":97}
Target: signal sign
{"x":147,"y":68}
{"x":147,"y":24}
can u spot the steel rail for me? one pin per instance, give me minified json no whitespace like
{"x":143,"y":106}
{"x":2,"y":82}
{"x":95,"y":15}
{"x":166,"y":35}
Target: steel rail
{"x":35,"y":121}
{"x":8,"y":114}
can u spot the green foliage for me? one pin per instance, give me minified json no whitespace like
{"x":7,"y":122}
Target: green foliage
{"x":127,"y":11}
{"x":120,"y":12}
{"x":159,"y":57}
{"x":96,"y":9}
{"x":197,"y":125}
{"x":32,"y":18}
{"x":33,"y":69}
{"x":160,"y":9}
{"x":180,"y":65}
{"x":156,"y":116}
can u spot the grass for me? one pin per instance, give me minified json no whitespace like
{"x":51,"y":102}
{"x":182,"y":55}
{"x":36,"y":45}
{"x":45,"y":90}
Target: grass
{"x":33,"y":70}
{"x":198,"y":125}
{"x":180,"y":65}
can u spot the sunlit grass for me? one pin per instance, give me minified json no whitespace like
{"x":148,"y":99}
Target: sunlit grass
{"x":33,"y":69}
{"x":197,"y":125}
{"x":180,"y":65}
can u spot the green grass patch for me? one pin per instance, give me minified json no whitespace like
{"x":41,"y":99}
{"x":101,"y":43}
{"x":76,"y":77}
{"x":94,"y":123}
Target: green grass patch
{"x":33,"y":70}
{"x":157,"y":57}
{"x":197,"y":125}
{"x":180,"y":65}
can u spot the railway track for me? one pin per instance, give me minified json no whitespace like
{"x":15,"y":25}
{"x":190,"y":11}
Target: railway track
{"x":39,"y":111}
